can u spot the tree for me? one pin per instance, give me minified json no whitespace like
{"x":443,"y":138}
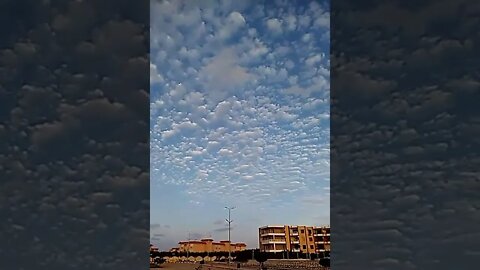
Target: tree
{"x":261,"y":257}
{"x":243,"y":256}
{"x":325,"y":262}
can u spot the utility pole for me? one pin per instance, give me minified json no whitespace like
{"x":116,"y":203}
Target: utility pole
{"x":229,"y":221}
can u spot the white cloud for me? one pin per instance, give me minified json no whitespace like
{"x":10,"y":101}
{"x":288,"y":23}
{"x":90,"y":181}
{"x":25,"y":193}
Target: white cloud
{"x":289,"y":64}
{"x":225,"y":152}
{"x":323,"y":21}
{"x":223,"y":74}
{"x":232,"y":24}
{"x":155,"y":77}
{"x":167,"y":134}
{"x":242,"y":114}
{"x":304,"y":21}
{"x":313,"y":60}
{"x":307,"y":37}
{"x":291,"y":22}
{"x":195,"y":99}
{"x":178,"y":91}
{"x":274,"y":25}
{"x":236,"y":19}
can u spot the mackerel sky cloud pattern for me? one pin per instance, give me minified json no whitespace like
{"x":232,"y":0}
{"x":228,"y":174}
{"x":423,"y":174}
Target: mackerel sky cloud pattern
{"x":239,"y":114}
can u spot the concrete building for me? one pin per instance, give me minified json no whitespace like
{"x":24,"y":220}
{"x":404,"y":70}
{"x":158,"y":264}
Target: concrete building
{"x":297,"y":238}
{"x":208,"y":245}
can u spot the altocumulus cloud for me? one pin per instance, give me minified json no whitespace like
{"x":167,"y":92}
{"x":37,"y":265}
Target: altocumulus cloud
{"x":239,"y":111}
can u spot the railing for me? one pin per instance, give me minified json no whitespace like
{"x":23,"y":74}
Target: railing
{"x":272,"y":233}
{"x":273,"y":242}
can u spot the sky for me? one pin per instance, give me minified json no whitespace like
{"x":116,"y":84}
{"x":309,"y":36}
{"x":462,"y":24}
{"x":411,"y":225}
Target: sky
{"x":240,"y":116}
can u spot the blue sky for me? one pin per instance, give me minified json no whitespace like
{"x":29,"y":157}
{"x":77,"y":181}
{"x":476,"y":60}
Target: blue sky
{"x":239,"y":117}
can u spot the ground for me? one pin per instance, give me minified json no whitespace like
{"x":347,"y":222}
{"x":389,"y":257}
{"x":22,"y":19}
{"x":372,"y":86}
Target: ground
{"x":177,"y":266}
{"x":185,"y":266}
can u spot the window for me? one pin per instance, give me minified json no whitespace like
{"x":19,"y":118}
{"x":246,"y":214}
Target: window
{"x":309,"y":232}
{"x":311,"y":246}
{"x":302,"y":231}
{"x":311,"y":239}
{"x":304,"y":247}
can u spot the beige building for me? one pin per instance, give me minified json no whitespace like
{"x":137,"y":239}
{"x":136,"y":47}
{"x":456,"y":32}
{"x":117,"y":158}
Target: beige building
{"x":305,"y":239}
{"x":208,"y":245}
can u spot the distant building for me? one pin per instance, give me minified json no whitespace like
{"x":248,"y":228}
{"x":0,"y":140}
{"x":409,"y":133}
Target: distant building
{"x":305,"y":239}
{"x":153,"y":248}
{"x":208,"y":245}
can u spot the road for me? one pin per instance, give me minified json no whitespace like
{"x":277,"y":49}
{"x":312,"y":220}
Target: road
{"x":177,"y":266}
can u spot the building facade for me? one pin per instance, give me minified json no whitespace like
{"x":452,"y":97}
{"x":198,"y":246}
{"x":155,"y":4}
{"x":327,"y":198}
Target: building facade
{"x":207,"y":245}
{"x":298,"y":238}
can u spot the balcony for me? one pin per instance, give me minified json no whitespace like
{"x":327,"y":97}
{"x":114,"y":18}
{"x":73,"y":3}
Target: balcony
{"x":273,"y":250}
{"x":272,"y":233}
{"x":271,"y":241}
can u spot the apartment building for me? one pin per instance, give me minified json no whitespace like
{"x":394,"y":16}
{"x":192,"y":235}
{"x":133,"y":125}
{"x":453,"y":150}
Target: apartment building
{"x":297,"y":238}
{"x":208,"y":245}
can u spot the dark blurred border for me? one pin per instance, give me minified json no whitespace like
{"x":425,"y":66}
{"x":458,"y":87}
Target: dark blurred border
{"x":405,"y":134}
{"x":74,"y":134}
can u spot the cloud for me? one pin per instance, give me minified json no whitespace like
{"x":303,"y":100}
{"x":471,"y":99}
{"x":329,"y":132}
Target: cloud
{"x":218,"y":222}
{"x":291,"y":21}
{"x":274,"y":25}
{"x":223,"y":74}
{"x":243,"y":113}
{"x":224,"y":229}
{"x":312,"y":60}
{"x":232,"y":24}
{"x":155,"y":226}
{"x":236,"y":19}
{"x":69,"y":113}
{"x":155,"y":77}
{"x":322,"y":21}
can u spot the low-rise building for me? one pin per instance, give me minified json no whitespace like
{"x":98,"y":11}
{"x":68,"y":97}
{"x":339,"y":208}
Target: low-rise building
{"x":153,"y":248}
{"x":296,"y":238}
{"x":207,"y":245}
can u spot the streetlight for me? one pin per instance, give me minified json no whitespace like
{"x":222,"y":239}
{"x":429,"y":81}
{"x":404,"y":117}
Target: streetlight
{"x":188,"y":246}
{"x":229,"y":221}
